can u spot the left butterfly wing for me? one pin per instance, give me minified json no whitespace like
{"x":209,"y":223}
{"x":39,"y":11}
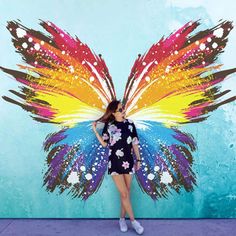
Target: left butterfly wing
{"x":173,"y":84}
{"x":76,"y":161}
{"x":66,"y":84}
{"x":64,"y":81}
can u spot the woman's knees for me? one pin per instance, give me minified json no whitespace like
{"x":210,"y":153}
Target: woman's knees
{"x":124,"y":194}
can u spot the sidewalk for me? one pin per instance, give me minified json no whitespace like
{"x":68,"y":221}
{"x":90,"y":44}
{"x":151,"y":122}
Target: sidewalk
{"x":110,"y":227}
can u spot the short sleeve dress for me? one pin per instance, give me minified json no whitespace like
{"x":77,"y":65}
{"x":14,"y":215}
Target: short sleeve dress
{"x":120,"y":136}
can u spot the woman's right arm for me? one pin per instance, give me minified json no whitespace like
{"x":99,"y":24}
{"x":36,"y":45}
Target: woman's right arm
{"x":100,"y":139}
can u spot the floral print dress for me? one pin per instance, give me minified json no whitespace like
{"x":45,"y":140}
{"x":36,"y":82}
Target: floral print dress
{"x":120,"y":136}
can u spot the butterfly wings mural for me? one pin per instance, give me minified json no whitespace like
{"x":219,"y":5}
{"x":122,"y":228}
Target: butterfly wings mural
{"x":175,"y":82}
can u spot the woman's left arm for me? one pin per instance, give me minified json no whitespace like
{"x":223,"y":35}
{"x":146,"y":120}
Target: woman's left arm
{"x":136,"y":151}
{"x":135,"y":142}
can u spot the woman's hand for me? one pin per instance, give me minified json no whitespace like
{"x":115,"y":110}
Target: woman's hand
{"x":94,"y":126}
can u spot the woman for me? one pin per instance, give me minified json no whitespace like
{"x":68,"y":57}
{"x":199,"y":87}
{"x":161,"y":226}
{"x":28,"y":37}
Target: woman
{"x":121,"y":136}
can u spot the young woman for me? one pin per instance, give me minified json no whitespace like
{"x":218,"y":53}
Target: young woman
{"x":121,"y":136}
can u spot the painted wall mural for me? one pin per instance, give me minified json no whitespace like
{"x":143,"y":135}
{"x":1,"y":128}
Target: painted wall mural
{"x":62,"y":82}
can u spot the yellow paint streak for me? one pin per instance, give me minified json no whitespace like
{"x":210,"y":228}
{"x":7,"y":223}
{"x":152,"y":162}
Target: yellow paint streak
{"x":170,"y":110}
{"x":69,"y":110}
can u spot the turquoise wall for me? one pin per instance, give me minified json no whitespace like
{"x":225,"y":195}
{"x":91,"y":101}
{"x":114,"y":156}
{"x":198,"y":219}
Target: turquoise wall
{"x":119,"y":30}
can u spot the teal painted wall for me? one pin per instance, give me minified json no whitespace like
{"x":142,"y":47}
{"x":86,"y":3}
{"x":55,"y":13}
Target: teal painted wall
{"x":119,"y":30}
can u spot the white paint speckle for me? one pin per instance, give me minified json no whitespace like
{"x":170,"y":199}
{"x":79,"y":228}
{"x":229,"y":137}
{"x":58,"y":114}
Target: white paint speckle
{"x":151,"y":176}
{"x":37,"y":46}
{"x":214,"y":45}
{"x":88,"y":176}
{"x":168,"y":69}
{"x":209,"y":39}
{"x":218,"y":32}
{"x":71,"y":69}
{"x":202,"y":46}
{"x":91,"y":79}
{"x":166,"y":177}
{"x":73,"y":178}
{"x":20,"y":33}
{"x":24,"y":45}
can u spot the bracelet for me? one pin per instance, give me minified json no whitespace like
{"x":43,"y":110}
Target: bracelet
{"x":139,"y":160}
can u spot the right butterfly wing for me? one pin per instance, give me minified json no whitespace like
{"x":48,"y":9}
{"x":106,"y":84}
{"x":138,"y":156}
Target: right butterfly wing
{"x":171,"y":85}
{"x":166,"y":159}
{"x":174,"y":82}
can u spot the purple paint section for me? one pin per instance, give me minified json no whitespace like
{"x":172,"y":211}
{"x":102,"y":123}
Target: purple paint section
{"x":185,"y":138}
{"x":53,"y":138}
{"x":56,"y":164}
{"x":182,"y":163}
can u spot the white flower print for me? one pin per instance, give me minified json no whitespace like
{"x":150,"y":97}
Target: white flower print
{"x":130,"y":121}
{"x":135,"y":140}
{"x":125,"y":164}
{"x":115,"y":134}
{"x":105,"y":136}
{"x":109,"y":164}
{"x":109,"y":152}
{"x":119,"y":153}
{"x":131,"y":128}
{"x":133,"y":171}
{"x":129,"y":139}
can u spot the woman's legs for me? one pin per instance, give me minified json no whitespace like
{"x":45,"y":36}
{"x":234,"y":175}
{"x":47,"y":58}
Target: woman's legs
{"x":128,"y":179}
{"x":124,"y":194}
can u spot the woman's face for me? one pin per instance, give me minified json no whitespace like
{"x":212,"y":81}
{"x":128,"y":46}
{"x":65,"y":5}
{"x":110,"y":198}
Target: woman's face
{"x":120,"y":112}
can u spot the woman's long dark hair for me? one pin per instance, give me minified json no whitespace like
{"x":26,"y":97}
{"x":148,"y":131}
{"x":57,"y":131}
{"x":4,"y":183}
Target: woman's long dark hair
{"x":108,"y":116}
